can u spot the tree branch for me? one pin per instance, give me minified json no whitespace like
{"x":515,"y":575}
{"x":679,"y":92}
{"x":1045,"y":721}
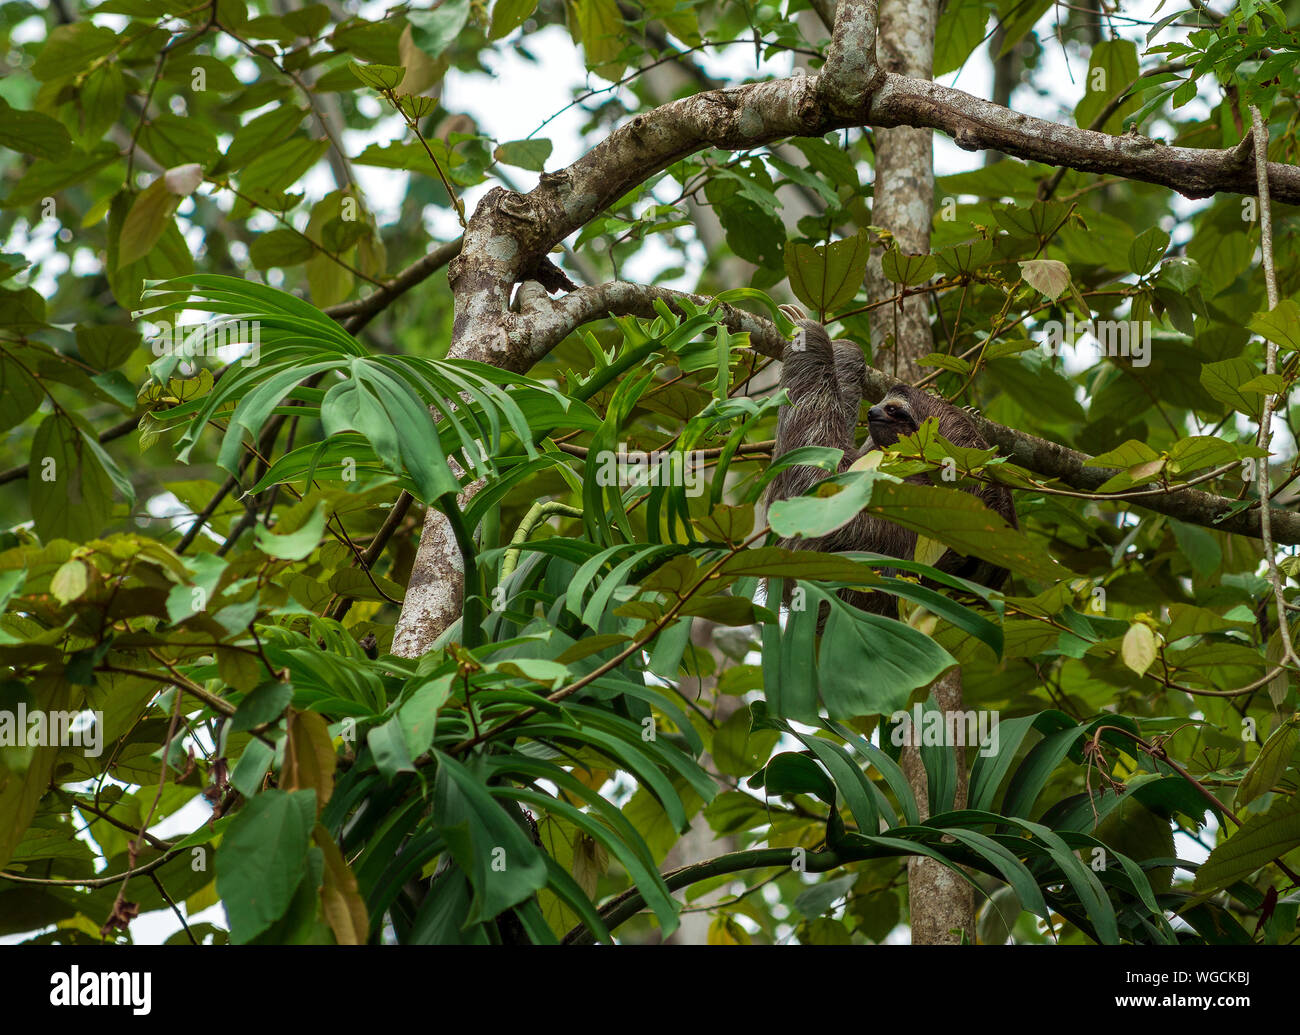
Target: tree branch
{"x":1049,"y":459}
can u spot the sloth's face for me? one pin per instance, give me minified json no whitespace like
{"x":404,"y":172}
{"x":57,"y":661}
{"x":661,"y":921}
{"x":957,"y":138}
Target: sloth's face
{"x":890,"y":420}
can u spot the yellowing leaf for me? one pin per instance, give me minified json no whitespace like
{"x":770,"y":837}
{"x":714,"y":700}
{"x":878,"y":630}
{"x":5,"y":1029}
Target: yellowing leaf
{"x":70,"y":581}
{"x":150,"y":214}
{"x":309,"y":757}
{"x":341,"y":902}
{"x":1139,"y":647}
{"x":1049,"y":276}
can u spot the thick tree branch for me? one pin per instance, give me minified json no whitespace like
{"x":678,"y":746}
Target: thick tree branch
{"x":975,"y":124}
{"x":548,"y":321}
{"x":1050,"y":459}
{"x":510,"y":233}
{"x":852,"y":71}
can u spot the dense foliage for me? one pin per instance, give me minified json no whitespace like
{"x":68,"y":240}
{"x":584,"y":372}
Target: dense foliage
{"x":208,"y":549}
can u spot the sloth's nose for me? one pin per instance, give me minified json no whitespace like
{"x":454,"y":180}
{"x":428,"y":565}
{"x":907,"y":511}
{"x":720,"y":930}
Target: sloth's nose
{"x":876,"y":413}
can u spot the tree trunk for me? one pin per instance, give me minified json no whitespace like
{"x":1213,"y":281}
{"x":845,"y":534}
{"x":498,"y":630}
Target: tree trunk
{"x":940,"y":903}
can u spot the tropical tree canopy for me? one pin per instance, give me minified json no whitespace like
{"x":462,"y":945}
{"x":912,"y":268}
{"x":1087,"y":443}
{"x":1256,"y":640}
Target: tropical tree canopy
{"x":385,"y":555}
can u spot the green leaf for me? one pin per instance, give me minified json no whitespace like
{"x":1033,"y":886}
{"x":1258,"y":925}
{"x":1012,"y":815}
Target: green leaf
{"x":909,"y":270}
{"x":173,"y":141}
{"x":295,"y":546}
{"x":107,"y":346}
{"x":811,"y":516}
{"x":1223,"y":380}
{"x":1198,"y":451}
{"x":1138,"y":648}
{"x":1049,"y":276}
{"x":791,"y":773}
{"x":524,"y":154}
{"x":959,"y":32}
{"x":389,"y":746}
{"x":378,"y":77}
{"x":508,"y":15}
{"x":45,"y":176}
{"x":960,"y":260}
{"x":21,"y":790}
{"x":1179,"y":274}
{"x":818,"y":899}
{"x":151,"y":213}
{"x":1258,"y":841}
{"x":502,"y":864}
{"x":32,"y":133}
{"x":20,"y":393}
{"x":434,"y":31}
{"x":262,"y":859}
{"x":1281,"y":324}
{"x":827,"y":277}
{"x":256,"y":136}
{"x":598,"y":26}
{"x":72,"y":48}
{"x":70,"y":491}
{"x":1146,"y":249}
{"x":281,"y":247}
{"x":1273,"y":761}
{"x":264,"y":704}
{"x":249,"y":771}
{"x":900,"y":659}
{"x":962,"y":522}
{"x":70,"y":581}
{"x":1018,"y":17}
{"x":1112,"y":70}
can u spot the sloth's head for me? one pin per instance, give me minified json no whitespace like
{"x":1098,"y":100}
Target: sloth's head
{"x":899,"y":413}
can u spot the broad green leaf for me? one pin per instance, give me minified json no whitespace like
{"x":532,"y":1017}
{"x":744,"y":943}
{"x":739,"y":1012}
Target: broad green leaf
{"x":909,"y":270}
{"x":1049,"y":276}
{"x":525,"y":154}
{"x":598,"y":26}
{"x":1280,"y":324}
{"x":20,"y":393}
{"x":960,"y":30}
{"x":72,"y":48}
{"x":294,"y":546}
{"x":900,"y":659}
{"x":1273,"y":761}
{"x":827,"y":277}
{"x":378,"y":77}
{"x":263,"y":858}
{"x":1147,"y":249}
{"x":508,"y":15}
{"x":70,"y":581}
{"x":150,"y":215}
{"x":1257,"y":842}
{"x":1223,"y":380}
{"x":32,"y":133}
{"x":502,"y":864}
{"x":435,"y":30}
{"x":69,"y":489}
{"x":265,"y":704}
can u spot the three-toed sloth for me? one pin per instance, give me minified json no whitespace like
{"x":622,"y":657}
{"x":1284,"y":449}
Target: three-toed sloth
{"x":824,"y":381}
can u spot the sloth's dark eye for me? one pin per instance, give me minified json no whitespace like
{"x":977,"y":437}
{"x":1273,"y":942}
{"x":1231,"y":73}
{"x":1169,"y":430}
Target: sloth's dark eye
{"x":893,"y":411}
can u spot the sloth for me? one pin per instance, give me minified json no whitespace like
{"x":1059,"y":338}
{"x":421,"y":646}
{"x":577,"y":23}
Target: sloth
{"x":824,"y":381}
